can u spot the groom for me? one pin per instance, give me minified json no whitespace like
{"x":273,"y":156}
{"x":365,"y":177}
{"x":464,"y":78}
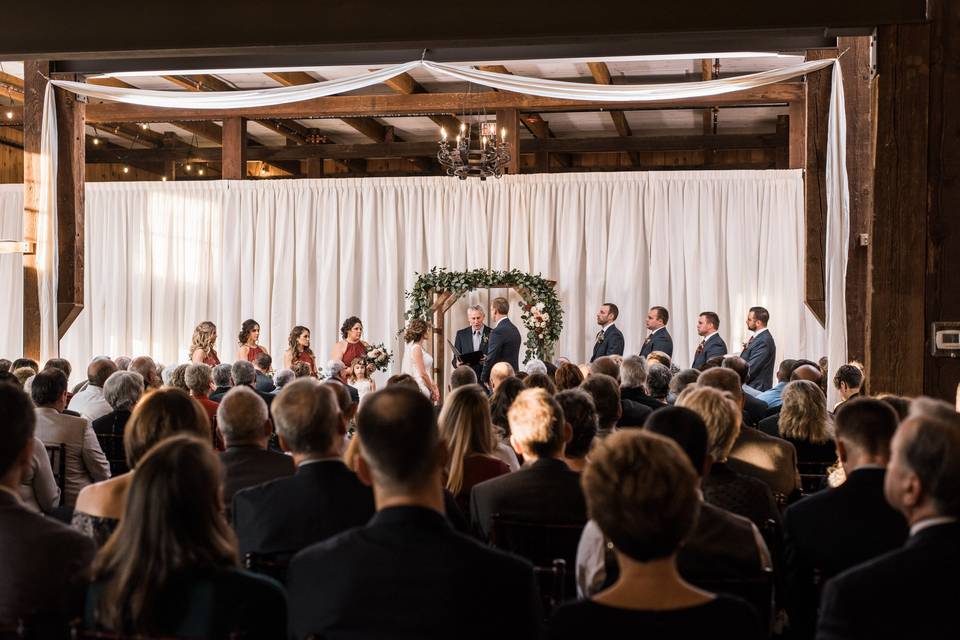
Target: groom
{"x":472,"y":338}
{"x":504,"y":345}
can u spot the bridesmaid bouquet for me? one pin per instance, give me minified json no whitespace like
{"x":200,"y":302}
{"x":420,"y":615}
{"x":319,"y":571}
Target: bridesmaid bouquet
{"x":377,"y":357}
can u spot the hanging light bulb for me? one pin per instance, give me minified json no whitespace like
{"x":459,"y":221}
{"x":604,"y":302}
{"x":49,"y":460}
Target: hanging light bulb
{"x":189,"y":167}
{"x":9,"y":115}
{"x":263,"y":168}
{"x":96,"y":141}
{"x":200,"y":171}
{"x":143,"y":125}
{"x":126,"y":169}
{"x":163,"y":178}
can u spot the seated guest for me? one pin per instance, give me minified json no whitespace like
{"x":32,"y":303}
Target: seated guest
{"x":658,"y":381}
{"x":90,"y":402}
{"x":245,"y":375}
{"x":122,"y":362}
{"x":659,"y":357}
{"x":122,"y":390}
{"x":540,"y":381}
{"x":568,"y":376}
{"x":322,"y":498}
{"x":38,"y":487}
{"x":642,"y":493}
{"x":500,"y":402}
{"x":461,"y":376}
{"x":723,"y":486}
{"x":468,"y":434}
{"x":23,"y":374}
{"x":147,"y":368}
{"x":900,"y":405}
{"x":19,"y":363}
{"x":754,"y":453}
{"x":178,"y":378}
{"x":831,"y":531}
{"x":924,"y":407}
{"x":633,"y":378}
{"x":402,"y":380}
{"x":772,"y":396}
{"x":340,"y":374}
{"x":581,"y":414}
{"x":85,"y":462}
{"x":243,"y":420}
{"x":301,"y":370}
{"x":199,"y":381}
{"x":605,"y":394}
{"x":848,"y":382}
{"x":754,"y":409}
{"x":282,"y":378}
{"x":375,"y":580}
{"x":722,"y":546}
{"x":262,"y":364}
{"x":535,"y":366}
{"x":545,"y":490}
{"x":44,"y":562}
{"x":909,"y":592}
{"x":160,"y":415}
{"x":171,"y":568}
{"x":5,"y":365}
{"x":223,"y":381}
{"x":803,"y":422}
{"x":681,"y":381}
{"x":67,"y":368}
{"x":500,"y":372}
{"x":606,"y":365}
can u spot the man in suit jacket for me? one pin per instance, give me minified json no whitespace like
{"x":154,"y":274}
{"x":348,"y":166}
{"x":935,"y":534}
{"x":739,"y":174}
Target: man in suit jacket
{"x":659,"y":338}
{"x":44,"y":562}
{"x":245,"y":424}
{"x":831,"y":531}
{"x":245,"y":374}
{"x":633,"y":377}
{"x":545,"y":490}
{"x":909,"y":592}
{"x":760,"y":351}
{"x":262,"y":364}
{"x":504,"y":344}
{"x":474,"y":337}
{"x":754,"y":409}
{"x":711,"y":344}
{"x":322,"y":498}
{"x":609,"y":340}
{"x":374,"y":581}
{"x":85,"y":461}
{"x":338,"y":375}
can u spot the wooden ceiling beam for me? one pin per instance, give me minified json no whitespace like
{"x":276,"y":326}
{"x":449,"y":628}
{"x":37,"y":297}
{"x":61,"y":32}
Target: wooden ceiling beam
{"x":601,"y":75}
{"x":404,"y":84}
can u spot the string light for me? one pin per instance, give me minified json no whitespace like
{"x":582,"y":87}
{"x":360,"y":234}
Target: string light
{"x":9,"y":115}
{"x":163,"y":178}
{"x":200,"y":172}
{"x":96,"y":141}
{"x":143,"y":126}
{"x":263,"y":168}
{"x":189,"y":167}
{"x":126,"y":169}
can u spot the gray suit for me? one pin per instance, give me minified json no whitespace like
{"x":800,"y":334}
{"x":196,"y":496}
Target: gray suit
{"x":86,"y":463}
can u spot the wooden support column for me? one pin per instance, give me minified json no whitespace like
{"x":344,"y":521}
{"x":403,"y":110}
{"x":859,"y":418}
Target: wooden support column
{"x":783,"y":150}
{"x":798,"y":134}
{"x":234,"y":148}
{"x":313,"y":167}
{"x":34,"y":86}
{"x":895,"y":356}
{"x":509,"y":119}
{"x":818,"y":106}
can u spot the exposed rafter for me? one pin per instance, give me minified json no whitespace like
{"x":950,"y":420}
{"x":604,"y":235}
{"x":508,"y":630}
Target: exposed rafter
{"x":601,"y":75}
{"x":404,"y":84}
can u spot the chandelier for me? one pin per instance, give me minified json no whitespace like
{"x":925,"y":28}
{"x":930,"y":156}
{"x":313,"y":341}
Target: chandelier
{"x":475,"y":156}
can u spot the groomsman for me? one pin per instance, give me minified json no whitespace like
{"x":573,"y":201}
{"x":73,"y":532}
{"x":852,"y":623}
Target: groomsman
{"x":609,"y":338}
{"x":711,"y":344}
{"x":504,"y":342}
{"x":472,"y":338}
{"x":659,"y":338}
{"x":760,"y":350}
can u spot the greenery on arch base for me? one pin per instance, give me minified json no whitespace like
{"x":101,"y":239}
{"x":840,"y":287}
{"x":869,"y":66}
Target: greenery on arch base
{"x":540,"y":308}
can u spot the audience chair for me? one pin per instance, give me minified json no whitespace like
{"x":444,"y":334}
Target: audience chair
{"x":542,"y":544}
{"x":112,"y":446}
{"x":274,"y":565}
{"x":551,"y":582}
{"x":58,"y":462}
{"x":757,"y":591}
{"x":813,"y":476}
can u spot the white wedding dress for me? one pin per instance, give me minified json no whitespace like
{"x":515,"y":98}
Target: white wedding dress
{"x":410,"y":368}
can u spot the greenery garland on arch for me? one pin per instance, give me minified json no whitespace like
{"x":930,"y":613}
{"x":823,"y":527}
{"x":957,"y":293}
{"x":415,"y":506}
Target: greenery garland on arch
{"x":540,"y":308}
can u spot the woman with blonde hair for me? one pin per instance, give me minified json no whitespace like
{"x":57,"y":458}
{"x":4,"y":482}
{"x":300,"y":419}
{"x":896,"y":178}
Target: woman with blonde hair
{"x":465,"y":426}
{"x":202,"y":349}
{"x":416,"y":361}
{"x":805,"y":423}
{"x":249,"y":338}
{"x":299,"y":350}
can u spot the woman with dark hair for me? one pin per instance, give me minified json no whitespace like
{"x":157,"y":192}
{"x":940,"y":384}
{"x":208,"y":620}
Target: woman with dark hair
{"x":202,"y":344}
{"x":351,"y":346}
{"x":416,"y":361}
{"x":568,"y":376}
{"x":159,"y":415}
{"x":249,"y":337}
{"x":299,"y":350}
{"x":171,"y":567}
{"x":500,"y":402}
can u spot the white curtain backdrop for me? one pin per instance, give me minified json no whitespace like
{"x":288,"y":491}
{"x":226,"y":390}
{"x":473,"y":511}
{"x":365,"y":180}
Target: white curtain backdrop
{"x":11,"y":272}
{"x":161,"y":257}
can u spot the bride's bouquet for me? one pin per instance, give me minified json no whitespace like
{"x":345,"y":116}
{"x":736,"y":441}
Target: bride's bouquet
{"x":377,"y":357}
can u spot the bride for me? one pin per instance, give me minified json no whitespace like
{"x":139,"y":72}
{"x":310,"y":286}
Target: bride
{"x":416,"y":361}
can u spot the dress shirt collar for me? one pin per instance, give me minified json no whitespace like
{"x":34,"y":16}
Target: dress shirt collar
{"x":47,"y":410}
{"x":607,"y":326}
{"x":658,"y":329}
{"x":758,"y":332}
{"x":930,"y":522}
{"x":411,"y":514}
{"x":8,"y":490}
{"x":316,"y":460}
{"x":497,"y":323}
{"x":709,"y":335}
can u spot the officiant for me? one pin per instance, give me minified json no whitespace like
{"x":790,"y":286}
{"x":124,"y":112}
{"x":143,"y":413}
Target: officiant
{"x":472,"y":340}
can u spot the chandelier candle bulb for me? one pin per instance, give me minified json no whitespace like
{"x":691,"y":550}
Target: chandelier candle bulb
{"x":443,"y":133}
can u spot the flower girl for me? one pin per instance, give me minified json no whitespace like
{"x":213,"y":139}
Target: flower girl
{"x":359,"y":379}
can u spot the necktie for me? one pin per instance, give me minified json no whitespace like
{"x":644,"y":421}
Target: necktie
{"x":649,"y":338}
{"x":600,"y":336}
{"x":700,"y":346}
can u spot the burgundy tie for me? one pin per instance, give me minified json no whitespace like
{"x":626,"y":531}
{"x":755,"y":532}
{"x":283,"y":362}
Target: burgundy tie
{"x":700,"y":346}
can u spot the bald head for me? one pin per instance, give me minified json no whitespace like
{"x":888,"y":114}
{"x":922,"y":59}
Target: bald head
{"x":99,"y":370}
{"x":724,"y":380}
{"x":146,"y":367}
{"x":500,"y":372}
{"x":807,"y":372}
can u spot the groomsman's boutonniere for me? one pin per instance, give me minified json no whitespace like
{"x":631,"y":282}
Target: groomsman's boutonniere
{"x":599,"y":337}
{"x":484,"y":338}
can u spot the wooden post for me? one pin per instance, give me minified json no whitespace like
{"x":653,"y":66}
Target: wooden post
{"x":234,"y":148}
{"x":509,"y":119}
{"x":783,"y":150}
{"x":313,"y":168}
{"x":798,"y":134}
{"x":34,"y":85}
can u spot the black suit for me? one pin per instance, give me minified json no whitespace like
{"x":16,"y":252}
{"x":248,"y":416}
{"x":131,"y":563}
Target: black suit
{"x":464,"y":344}
{"x":218,"y":393}
{"x":740,"y":494}
{"x":713,"y":347}
{"x":249,"y":465}
{"x":283,"y":516}
{"x":504,"y":346}
{"x":633,"y":414}
{"x":910,"y":592}
{"x":43,"y":562}
{"x":659,"y":340}
{"x":354,"y":394}
{"x":760,"y":354}
{"x":408,"y":574}
{"x":545,"y":490}
{"x":264,"y":383}
{"x":831,"y":531}
{"x":636,"y":394}
{"x":610,"y":344}
{"x":754,"y":410}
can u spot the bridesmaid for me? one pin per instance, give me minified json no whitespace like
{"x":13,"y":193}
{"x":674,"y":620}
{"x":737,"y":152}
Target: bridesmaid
{"x":351,"y":346}
{"x":299,"y":350}
{"x":201,"y":347}
{"x":249,"y":335}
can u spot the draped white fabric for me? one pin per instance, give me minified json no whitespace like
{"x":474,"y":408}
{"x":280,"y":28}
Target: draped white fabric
{"x":11,"y":272}
{"x":47,"y":245}
{"x":163,"y":256}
